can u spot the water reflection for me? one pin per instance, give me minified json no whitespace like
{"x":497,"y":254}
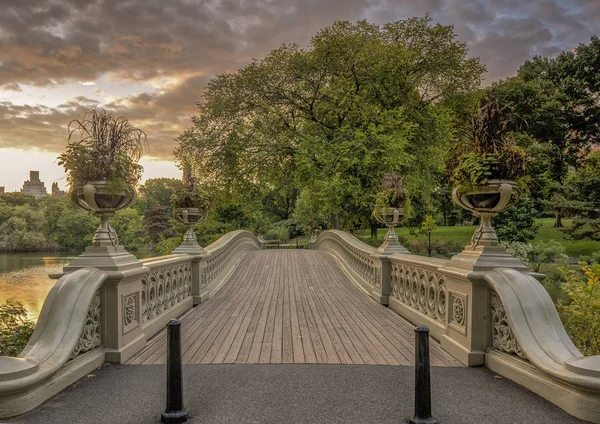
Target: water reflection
{"x":24,"y":277}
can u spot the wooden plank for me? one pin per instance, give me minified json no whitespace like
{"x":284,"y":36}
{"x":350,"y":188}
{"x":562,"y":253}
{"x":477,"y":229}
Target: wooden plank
{"x":229,"y":327}
{"x":328,"y":343}
{"x":208,"y":334}
{"x":312,"y":328}
{"x":292,"y":306}
{"x":287,"y":355}
{"x":257,"y":342}
{"x":265,"y":351}
{"x":277,"y":342}
{"x":298,"y":348}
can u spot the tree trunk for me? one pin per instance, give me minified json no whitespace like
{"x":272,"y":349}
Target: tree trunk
{"x":374,"y":227}
{"x":558,"y":220}
{"x":335,"y":221}
{"x":445,"y":214}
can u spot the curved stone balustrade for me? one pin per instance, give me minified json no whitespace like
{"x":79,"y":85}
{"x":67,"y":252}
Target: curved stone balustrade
{"x":92,"y":316}
{"x":500,"y":317}
{"x":224,"y":255}
{"x":354,"y":255}
{"x":530,"y":345}
{"x":64,"y":347}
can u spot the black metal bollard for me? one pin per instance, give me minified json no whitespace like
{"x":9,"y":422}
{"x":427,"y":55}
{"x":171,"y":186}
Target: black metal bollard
{"x":174,"y":413}
{"x":422,"y":378}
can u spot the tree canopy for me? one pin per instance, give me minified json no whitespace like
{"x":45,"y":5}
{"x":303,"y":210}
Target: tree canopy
{"x":359,"y":102}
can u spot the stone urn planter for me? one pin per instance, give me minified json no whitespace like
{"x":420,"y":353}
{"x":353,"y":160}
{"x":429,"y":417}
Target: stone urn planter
{"x":486,"y":201}
{"x":189,"y":217}
{"x":96,"y":197}
{"x":390,"y":217}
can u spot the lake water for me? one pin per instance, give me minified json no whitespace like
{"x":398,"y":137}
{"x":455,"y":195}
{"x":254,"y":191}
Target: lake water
{"x":24,"y":277}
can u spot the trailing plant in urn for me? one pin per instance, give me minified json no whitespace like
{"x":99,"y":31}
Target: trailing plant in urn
{"x":487,"y":150}
{"x":101,"y":163}
{"x":489,"y":168}
{"x":391,"y":203}
{"x":190,"y":207}
{"x":103,"y":148}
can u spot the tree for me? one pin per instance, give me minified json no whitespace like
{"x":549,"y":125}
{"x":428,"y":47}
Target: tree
{"x":360,"y":101}
{"x":517,"y":223}
{"x":128,"y":225}
{"x":556,"y":102}
{"x":23,"y":231}
{"x":582,"y":199}
{"x":15,"y":328}
{"x":75,"y":229}
{"x":157,"y":192}
{"x":156,"y":224}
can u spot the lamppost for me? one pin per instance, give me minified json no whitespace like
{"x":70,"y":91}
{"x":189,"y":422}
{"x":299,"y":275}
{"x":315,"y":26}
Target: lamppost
{"x":429,"y":241}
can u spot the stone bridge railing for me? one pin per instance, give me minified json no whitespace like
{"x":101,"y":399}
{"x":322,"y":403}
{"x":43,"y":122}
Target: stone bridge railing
{"x":91,"y":316}
{"x":502,"y":318}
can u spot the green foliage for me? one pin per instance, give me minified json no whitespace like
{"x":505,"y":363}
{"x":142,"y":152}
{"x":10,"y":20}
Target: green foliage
{"x":156,"y":224}
{"x":23,"y":231}
{"x":128,"y":225}
{"x":429,"y":224}
{"x":167,"y":245}
{"x":523,"y":251}
{"x":581,"y":315}
{"x":538,"y":253}
{"x":106,"y":148}
{"x":582,"y":199}
{"x":15,"y":328}
{"x":517,"y":223}
{"x":75,"y":229}
{"x":359,"y":102}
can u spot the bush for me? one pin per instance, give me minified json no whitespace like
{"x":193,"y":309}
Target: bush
{"x":521,"y":251}
{"x":581,"y":315}
{"x":517,"y":223}
{"x":15,"y":328}
{"x":539,"y":253}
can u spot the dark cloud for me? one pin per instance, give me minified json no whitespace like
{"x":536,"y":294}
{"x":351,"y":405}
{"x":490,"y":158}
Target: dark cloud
{"x":51,"y":42}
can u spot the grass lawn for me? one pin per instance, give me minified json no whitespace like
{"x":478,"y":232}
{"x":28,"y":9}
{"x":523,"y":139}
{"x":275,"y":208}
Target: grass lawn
{"x":464,"y":234}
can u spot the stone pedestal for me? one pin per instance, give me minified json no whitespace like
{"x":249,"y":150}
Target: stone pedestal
{"x":105,"y":258}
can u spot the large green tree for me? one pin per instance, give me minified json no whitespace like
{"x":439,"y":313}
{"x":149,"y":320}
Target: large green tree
{"x":360,"y":101}
{"x":555,"y":102}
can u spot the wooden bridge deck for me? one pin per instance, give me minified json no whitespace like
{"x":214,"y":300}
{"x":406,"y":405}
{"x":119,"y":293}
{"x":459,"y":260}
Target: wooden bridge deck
{"x":292,"y":306}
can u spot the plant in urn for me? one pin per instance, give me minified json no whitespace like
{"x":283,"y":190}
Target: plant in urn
{"x":101,"y":163}
{"x":488,"y":177}
{"x":189,"y":208}
{"x":390,"y":205}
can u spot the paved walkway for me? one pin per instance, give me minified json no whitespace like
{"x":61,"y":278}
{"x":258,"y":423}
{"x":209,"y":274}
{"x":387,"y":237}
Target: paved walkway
{"x":292,"y":306}
{"x":290,"y":394}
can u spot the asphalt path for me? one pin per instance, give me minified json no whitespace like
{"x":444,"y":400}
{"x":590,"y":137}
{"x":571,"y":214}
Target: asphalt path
{"x":295,"y":394}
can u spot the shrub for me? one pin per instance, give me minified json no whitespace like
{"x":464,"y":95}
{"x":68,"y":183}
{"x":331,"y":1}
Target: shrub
{"x":15,"y":328}
{"x":547,"y":252}
{"x":539,"y":253}
{"x":517,"y":223}
{"x":581,"y":316}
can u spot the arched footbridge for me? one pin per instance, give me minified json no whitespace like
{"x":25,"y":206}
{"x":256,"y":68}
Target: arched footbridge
{"x":342,"y":302}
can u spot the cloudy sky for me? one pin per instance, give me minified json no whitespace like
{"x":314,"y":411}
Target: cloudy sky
{"x":150,"y":59}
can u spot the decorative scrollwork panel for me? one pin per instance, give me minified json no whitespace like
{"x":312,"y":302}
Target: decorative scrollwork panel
{"x":503,"y":338}
{"x":90,"y":335}
{"x":164,"y":288}
{"x":421,"y":290}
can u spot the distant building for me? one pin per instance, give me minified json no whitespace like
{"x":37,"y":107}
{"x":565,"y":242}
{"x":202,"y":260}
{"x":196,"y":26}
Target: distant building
{"x":34,"y":187}
{"x":56,"y":192}
{"x":1,"y":190}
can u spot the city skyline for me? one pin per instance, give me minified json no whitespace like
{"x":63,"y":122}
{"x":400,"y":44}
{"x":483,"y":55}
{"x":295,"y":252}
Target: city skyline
{"x":57,"y":62}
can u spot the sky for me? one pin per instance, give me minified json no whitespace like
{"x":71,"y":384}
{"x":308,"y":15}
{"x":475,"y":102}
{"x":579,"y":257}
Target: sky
{"x":149,"y":60}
